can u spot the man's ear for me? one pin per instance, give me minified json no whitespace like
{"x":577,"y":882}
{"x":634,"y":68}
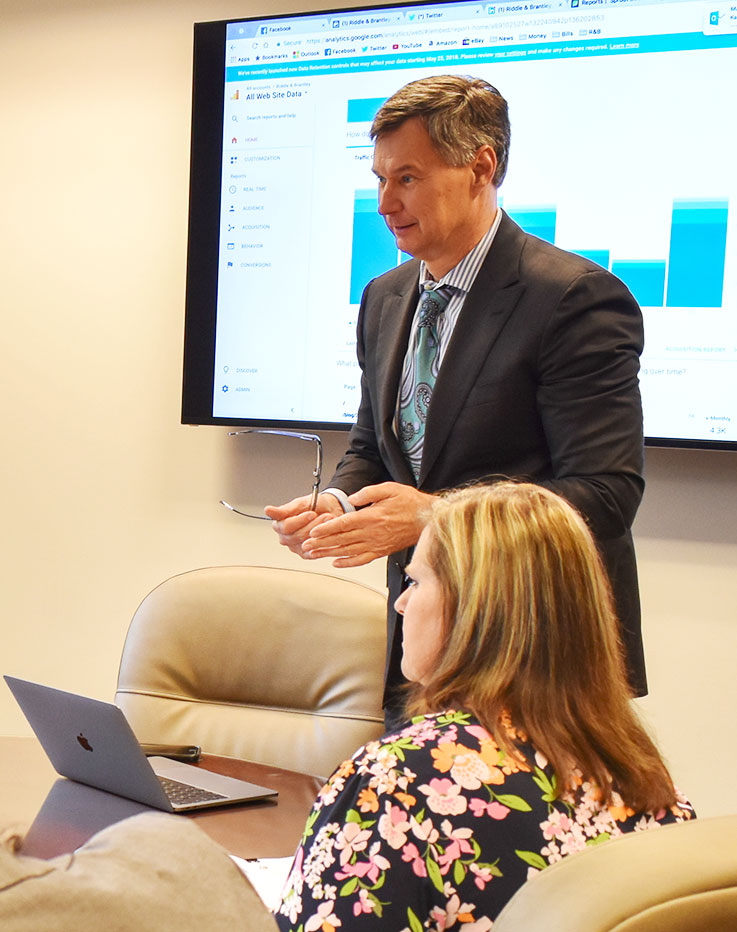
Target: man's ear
{"x":484,"y":166}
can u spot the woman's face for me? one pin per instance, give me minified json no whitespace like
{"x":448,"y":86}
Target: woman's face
{"x":421,"y":604}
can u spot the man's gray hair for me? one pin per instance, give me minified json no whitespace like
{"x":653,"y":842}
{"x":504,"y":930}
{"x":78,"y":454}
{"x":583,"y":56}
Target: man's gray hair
{"x":461,"y":114}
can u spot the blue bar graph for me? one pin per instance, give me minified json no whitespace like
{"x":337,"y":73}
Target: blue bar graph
{"x":374,"y":248}
{"x":539,"y":221}
{"x":692,"y":276}
{"x":698,"y":242}
{"x":645,"y":279}
{"x":363,"y":110}
{"x":599,"y":256}
{"x":696,"y":260}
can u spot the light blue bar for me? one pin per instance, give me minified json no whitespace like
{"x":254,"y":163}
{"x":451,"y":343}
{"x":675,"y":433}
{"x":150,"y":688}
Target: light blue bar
{"x":645,"y":279}
{"x":698,"y":244}
{"x":539,"y":221}
{"x":366,"y":201}
{"x":363,"y":110}
{"x":585,"y":48}
{"x":374,"y":249}
{"x":599,"y":256}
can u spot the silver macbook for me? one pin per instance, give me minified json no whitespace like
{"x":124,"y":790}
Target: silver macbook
{"x":91,"y":742}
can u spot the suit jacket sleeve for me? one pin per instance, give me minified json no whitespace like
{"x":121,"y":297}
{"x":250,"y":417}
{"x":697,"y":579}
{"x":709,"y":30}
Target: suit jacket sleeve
{"x":589,"y":401}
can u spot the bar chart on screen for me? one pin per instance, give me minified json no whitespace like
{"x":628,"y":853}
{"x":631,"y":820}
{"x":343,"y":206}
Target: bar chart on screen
{"x":690,"y":275}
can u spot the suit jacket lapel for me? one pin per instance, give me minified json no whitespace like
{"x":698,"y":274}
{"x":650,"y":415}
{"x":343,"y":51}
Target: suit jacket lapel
{"x":487,"y":308}
{"x":398,"y":309}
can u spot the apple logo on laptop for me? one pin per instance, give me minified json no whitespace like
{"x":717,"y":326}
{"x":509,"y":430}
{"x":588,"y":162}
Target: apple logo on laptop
{"x":84,"y":742}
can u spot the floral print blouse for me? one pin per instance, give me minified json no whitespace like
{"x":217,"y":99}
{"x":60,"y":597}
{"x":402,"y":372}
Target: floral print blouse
{"x":433,"y":827}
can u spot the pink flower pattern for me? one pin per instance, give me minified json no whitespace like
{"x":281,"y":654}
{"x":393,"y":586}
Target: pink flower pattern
{"x":449,"y":844}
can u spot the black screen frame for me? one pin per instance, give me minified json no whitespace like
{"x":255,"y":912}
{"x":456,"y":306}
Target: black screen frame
{"x":203,"y":237}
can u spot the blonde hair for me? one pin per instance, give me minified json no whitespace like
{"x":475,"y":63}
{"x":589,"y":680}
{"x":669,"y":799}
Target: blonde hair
{"x":530,"y":632}
{"x":460,"y":115}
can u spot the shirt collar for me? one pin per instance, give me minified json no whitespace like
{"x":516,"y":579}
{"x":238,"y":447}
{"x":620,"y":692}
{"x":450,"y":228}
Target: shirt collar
{"x":462,"y":275}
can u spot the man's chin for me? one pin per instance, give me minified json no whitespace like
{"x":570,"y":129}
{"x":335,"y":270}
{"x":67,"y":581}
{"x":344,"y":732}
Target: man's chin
{"x":404,"y":244}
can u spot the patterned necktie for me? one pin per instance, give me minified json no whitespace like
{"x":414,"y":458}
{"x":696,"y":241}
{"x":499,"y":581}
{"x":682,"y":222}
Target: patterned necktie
{"x":419,"y":381}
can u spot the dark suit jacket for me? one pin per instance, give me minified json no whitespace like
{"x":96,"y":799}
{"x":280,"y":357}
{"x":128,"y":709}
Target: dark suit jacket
{"x":540,"y":381}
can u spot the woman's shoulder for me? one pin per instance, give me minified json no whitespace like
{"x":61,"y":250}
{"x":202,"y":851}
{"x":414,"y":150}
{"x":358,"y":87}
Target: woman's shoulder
{"x":428,"y":757}
{"x":448,"y":742}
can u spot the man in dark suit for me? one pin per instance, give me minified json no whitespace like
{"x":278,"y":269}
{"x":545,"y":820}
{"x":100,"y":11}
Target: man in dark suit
{"x":536,"y":375}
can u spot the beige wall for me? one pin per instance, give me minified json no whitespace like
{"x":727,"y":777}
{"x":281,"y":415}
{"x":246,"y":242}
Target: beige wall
{"x":104,"y":494}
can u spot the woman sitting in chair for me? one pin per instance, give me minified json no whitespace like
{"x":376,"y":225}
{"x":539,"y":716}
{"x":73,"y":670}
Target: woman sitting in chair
{"x":522,"y":746}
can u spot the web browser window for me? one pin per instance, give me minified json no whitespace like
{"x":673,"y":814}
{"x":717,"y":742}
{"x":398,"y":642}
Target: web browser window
{"x":623,"y":142}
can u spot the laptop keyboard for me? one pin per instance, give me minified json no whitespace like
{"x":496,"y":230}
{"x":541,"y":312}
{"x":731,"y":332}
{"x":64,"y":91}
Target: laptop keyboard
{"x":182,"y":793}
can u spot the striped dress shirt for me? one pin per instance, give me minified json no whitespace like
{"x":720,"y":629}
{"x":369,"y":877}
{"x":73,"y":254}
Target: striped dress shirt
{"x":457,"y":282}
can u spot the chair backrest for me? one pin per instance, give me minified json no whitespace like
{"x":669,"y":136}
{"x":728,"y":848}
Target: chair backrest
{"x":279,"y":666}
{"x":679,"y":878}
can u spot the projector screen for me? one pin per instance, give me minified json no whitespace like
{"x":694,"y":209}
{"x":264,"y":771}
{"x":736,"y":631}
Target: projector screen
{"x":623,"y":150}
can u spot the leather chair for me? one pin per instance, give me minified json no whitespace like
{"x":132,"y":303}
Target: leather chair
{"x":278,"y":666}
{"x":679,"y":878}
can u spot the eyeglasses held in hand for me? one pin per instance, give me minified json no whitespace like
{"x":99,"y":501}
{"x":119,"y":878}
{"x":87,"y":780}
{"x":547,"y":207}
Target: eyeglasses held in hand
{"x":316,"y":472}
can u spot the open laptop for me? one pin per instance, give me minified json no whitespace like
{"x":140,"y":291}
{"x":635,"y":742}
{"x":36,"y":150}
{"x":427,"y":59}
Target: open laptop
{"x":91,"y":742}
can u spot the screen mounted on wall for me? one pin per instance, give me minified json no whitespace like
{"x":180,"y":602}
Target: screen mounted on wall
{"x":623,"y":150}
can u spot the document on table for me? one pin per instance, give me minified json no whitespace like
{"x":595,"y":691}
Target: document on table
{"x":267,"y":875}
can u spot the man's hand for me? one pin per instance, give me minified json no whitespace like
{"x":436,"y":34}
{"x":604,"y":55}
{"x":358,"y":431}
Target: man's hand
{"x":391,"y":516}
{"x":294,"y":522}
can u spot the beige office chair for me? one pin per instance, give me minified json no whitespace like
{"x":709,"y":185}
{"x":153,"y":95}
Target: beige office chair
{"x":278,"y":666}
{"x":678,"y":878}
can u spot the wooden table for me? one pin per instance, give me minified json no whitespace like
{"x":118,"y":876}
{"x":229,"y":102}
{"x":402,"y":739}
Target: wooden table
{"x":60,"y":814}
